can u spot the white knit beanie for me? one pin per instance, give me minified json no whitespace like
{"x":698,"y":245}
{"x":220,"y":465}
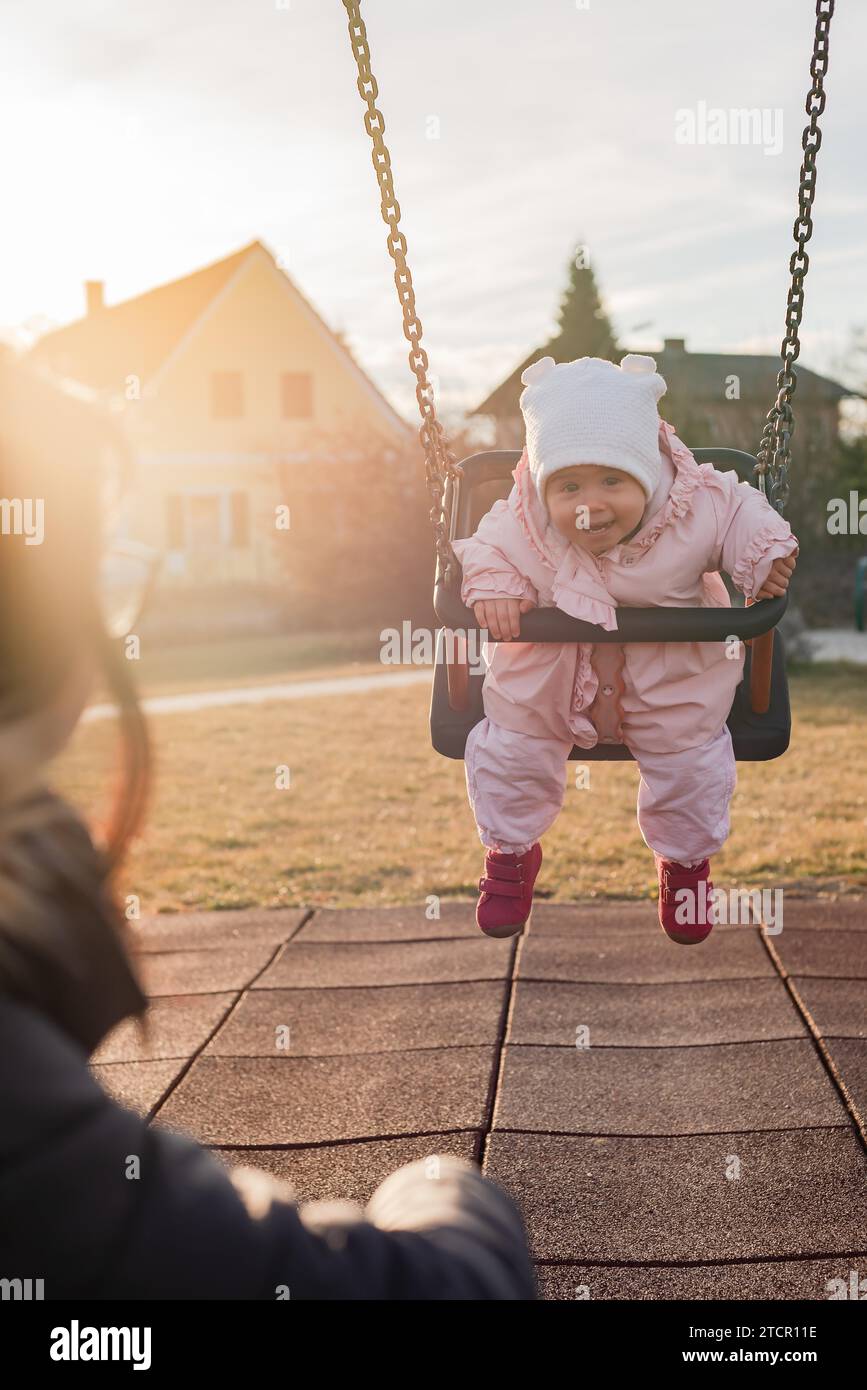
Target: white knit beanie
{"x":591,"y":411}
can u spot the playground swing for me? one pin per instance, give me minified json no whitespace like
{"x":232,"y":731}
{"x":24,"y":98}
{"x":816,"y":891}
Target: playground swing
{"x":759,"y":721}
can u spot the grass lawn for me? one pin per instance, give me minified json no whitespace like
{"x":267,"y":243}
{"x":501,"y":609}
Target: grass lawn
{"x":260,"y":660}
{"x":373,"y":816}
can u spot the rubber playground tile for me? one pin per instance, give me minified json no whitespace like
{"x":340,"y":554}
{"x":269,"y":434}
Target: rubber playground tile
{"x":822,"y":914}
{"x":201,"y":972}
{"x":630,"y":958}
{"x":839,"y":953}
{"x":179,"y":1025}
{"x":138,"y":1085}
{"x":837,"y":1007}
{"x":572,"y":919}
{"x":350,"y":1171}
{"x":713,"y":1011}
{"x":795,"y":1193}
{"x":190,"y":931}
{"x":771,"y":1280}
{"x":849,"y":1057}
{"x":387,"y":963}
{"x":666,"y":1090}
{"x":324,"y":1022}
{"x":392,"y":923}
{"x":230,"y":1100}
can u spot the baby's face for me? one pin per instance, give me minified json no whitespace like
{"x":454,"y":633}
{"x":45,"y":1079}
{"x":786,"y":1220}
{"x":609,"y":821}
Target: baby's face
{"x":594,"y":506}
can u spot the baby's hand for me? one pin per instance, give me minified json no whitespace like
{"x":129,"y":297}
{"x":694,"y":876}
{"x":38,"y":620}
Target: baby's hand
{"x":502,"y":616}
{"x":778,"y":578}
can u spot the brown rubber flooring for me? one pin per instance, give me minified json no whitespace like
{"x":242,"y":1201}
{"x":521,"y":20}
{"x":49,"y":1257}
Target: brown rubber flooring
{"x":673,"y":1122}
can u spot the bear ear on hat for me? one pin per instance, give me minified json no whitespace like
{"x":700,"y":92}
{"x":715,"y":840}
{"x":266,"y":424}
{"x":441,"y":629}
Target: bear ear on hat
{"x":537,"y":370}
{"x":637,"y":363}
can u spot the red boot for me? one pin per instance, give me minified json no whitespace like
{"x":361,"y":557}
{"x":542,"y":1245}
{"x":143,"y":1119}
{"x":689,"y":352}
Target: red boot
{"x":686,"y":919}
{"x":507,"y":891}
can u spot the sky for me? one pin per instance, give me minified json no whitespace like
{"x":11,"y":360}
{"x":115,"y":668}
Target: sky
{"x":144,"y":141}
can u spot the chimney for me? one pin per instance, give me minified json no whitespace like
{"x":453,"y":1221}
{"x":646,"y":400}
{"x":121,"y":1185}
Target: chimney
{"x":674,"y":345}
{"x":94,"y":291}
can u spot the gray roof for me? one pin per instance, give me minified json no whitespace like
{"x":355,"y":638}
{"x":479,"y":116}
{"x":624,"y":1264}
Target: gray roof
{"x":701,"y":375}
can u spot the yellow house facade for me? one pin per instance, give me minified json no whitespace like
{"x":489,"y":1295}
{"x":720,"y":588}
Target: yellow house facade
{"x":227,"y":377}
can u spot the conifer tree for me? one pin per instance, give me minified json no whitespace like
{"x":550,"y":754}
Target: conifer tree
{"x":585,"y":329}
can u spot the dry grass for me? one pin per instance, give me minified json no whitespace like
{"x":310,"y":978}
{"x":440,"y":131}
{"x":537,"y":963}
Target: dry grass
{"x":373,"y":816}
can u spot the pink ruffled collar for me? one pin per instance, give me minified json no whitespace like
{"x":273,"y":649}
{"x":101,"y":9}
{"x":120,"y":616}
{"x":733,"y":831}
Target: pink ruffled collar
{"x":687,"y":476}
{"x":552,"y":547}
{"x":527,"y":506}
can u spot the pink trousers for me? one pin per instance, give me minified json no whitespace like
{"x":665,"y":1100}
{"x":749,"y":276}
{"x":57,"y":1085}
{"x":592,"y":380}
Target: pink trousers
{"x":516,"y":785}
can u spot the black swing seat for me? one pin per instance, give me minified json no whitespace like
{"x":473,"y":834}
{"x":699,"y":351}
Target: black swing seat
{"x":486,"y":477}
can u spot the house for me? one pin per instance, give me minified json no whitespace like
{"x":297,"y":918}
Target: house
{"x":227,"y":377}
{"x":712,"y":398}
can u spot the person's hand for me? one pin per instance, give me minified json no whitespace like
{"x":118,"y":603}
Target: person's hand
{"x":502,"y":616}
{"x":778,"y":578}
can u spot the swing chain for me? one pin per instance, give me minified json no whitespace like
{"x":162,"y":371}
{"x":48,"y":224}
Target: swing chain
{"x":440,"y":462}
{"x":780,"y":422}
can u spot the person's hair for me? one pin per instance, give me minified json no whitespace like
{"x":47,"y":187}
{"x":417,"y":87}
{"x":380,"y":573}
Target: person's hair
{"x":57,"y":446}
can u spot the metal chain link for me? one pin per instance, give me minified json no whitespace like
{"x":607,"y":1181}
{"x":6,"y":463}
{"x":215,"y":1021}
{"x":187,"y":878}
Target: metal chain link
{"x":775,"y":450}
{"x":440,"y":462}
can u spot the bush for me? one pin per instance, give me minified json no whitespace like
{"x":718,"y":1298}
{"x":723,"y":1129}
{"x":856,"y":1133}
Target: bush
{"x":360,"y":547}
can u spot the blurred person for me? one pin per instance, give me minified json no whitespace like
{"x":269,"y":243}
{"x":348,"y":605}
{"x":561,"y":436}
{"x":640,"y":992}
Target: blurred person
{"x":187,"y":1228}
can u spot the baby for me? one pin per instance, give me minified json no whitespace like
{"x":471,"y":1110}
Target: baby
{"x":609,"y":508}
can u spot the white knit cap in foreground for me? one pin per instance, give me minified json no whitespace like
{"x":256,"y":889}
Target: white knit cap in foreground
{"x":591,"y":411}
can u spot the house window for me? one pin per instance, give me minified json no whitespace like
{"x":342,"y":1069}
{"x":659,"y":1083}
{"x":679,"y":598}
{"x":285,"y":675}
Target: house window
{"x":227,"y":395}
{"x":296,"y":395}
{"x":240,"y":520}
{"x":174,"y":521}
{"x":203,"y":519}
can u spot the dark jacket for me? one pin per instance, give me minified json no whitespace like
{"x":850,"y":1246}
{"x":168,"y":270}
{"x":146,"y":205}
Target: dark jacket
{"x":72,"y":1215}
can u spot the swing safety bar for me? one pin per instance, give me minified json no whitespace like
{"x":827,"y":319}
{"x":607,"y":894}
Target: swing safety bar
{"x":660,"y":624}
{"x":753,"y":623}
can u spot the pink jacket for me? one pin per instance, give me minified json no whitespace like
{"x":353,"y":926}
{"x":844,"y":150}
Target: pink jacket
{"x":655,"y":696}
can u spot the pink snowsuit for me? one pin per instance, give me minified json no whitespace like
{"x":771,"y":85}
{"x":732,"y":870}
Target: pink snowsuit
{"x":668,"y":702}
